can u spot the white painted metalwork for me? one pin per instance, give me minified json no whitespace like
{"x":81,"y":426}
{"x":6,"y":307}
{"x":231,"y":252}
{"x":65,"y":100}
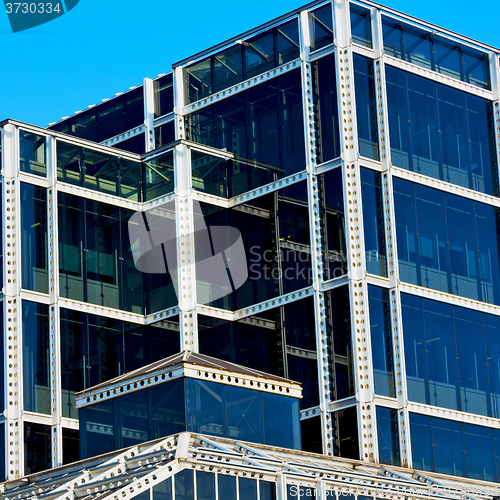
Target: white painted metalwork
{"x":400,"y":384}
{"x":358,"y":290}
{"x":14,"y":444}
{"x":323,"y":361}
{"x":149,"y":114}
{"x":129,"y":134}
{"x":162,"y":120}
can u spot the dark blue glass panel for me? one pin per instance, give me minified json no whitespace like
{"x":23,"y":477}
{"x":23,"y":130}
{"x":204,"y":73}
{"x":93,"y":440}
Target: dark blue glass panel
{"x":327,"y":116}
{"x":448,"y":447}
{"x":417,"y":46}
{"x":37,"y":448}
{"x":492,"y":327}
{"x":373,"y":222}
{"x":247,"y":488}
{"x":440,"y":132}
{"x":35,"y":352}
{"x":167,"y":411}
{"x":415,"y":349}
{"x":476,"y":68}
{"x":245,"y":419}
{"x":478,"y":446}
{"x":136,"y":144}
{"x":205,"y":485}
{"x":300,"y":326}
{"x":163,"y":95}
{"x":305,"y":371}
{"x":32,"y":153}
{"x":34,"y":270}
{"x":421,"y":442}
{"x":361,"y":31}
{"x":471,"y":350}
{"x":310,"y":430}
{"x":392,"y":32}
{"x":205,"y":407}
{"x":346,"y":425}
{"x":97,"y":431}
{"x":132,"y":418}
{"x":321,"y":27}
{"x":163,"y":491}
{"x":366,"y":108}
{"x":387,"y":432}
{"x":183,"y":485}
{"x":281,"y":421}
{"x":442,"y":355}
{"x":381,"y":341}
{"x":267,"y":490}
{"x":226,"y":486}
{"x":71,"y":447}
{"x":165,"y":134}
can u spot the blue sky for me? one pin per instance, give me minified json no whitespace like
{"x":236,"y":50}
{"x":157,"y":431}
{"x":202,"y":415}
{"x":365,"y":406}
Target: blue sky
{"x":102,"y":47}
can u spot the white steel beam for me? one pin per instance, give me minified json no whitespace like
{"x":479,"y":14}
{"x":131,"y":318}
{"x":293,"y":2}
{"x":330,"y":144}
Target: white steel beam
{"x":54,"y":316}
{"x":390,"y":240}
{"x":149,"y":114}
{"x":185,"y":224}
{"x":495,"y":87}
{"x":14,"y":443}
{"x":358,"y":290}
{"x":324,"y":363}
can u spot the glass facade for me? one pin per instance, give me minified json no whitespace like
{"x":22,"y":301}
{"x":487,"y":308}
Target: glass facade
{"x":193,"y":405}
{"x":331,"y":162}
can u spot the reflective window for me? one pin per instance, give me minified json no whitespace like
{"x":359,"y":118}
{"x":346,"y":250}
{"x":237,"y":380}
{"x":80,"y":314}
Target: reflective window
{"x":450,"y":355}
{"x":366,"y":107}
{"x":106,"y":120}
{"x":95,"y":349}
{"x":455,"y":448}
{"x":32,"y":153}
{"x":339,"y":324}
{"x":163,"y":490}
{"x":98,"y":171}
{"x":373,"y":222}
{"x":305,"y":370}
{"x":346,"y":441}
{"x":184,"y":485}
{"x":35,"y":352}
{"x":70,"y":446}
{"x":361,"y":31}
{"x":310,"y":430}
{"x":226,"y":486}
{"x":205,"y":485}
{"x":281,"y":420}
{"x":165,"y":134}
{"x":446,"y":242}
{"x":381,"y":341}
{"x":435,"y":52}
{"x":34,"y":264}
{"x":333,"y":224}
{"x":37,"y":445}
{"x":267,"y":490}
{"x":159,"y":176}
{"x":263,"y":128}
{"x":321,"y":27}
{"x":327,"y":116}
{"x":440,"y":132}
{"x":244,"y":414}
{"x":387,"y":433}
{"x":136,"y":144}
{"x":244,"y":60}
{"x":163,"y":95}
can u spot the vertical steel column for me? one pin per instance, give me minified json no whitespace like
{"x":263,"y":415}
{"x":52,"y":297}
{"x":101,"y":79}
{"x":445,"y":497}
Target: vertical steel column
{"x":149,"y":114}
{"x":324,"y":361}
{"x":358,"y":291}
{"x":54,"y":314}
{"x":12,"y":303}
{"x":495,"y":87}
{"x":185,"y":224}
{"x":390,"y":238}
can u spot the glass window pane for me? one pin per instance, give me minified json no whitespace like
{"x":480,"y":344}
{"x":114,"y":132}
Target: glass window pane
{"x":226,"y":486}
{"x":492,"y":327}
{"x":381,"y":341}
{"x":205,"y":407}
{"x":247,"y":488}
{"x":167,"y":415}
{"x":200,"y":80}
{"x":287,"y":41}
{"x":418,"y":46}
{"x":159,"y":176}
{"x":347,"y":444}
{"x":305,"y":371}
{"x":97,"y":429}
{"x":163,"y":95}
{"x":281,"y":420}
{"x":164,"y":134}
{"x":479,"y":452}
{"x":259,"y":54}
{"x":228,"y":68}
{"x":35,"y":334}
{"x":245,"y":420}
{"x":37,"y":446}
{"x":448,"y":58}
{"x":448,"y":447}
{"x":321,"y":27}
{"x":310,"y":429}
{"x":136,"y":144}
{"x":34,"y":271}
{"x":205,"y":485}
{"x":360,"y":25}
{"x":70,"y":446}
{"x":267,"y":490}
{"x":132,"y":418}
{"x":421,"y":442}
{"x":387,"y":432}
{"x":476,"y":68}
{"x":32,"y":153}
{"x":163,"y":491}
{"x":184,"y":485}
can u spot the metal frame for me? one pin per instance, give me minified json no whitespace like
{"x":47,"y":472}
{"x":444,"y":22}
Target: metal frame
{"x":358,"y":289}
{"x":149,"y":115}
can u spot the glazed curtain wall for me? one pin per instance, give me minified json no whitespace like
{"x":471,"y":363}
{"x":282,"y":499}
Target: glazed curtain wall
{"x":441,"y":132}
{"x":446,"y":242}
{"x":452,"y":356}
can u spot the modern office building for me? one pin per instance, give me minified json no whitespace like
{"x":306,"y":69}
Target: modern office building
{"x":355,"y":152}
